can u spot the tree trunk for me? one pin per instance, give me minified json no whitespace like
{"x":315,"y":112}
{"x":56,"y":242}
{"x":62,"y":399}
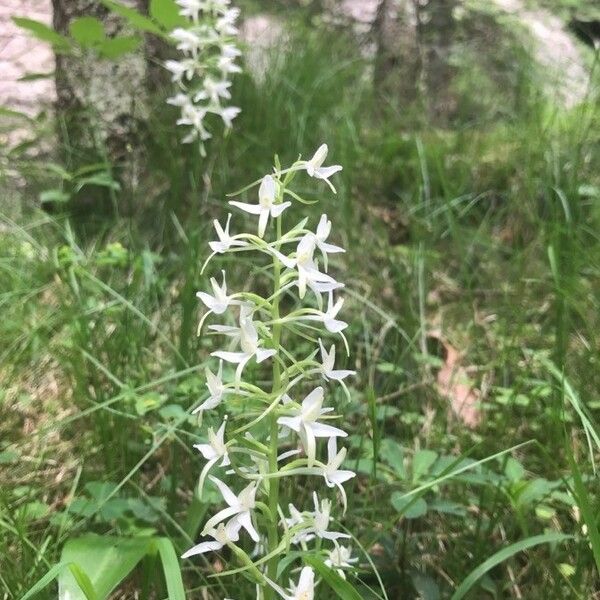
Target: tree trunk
{"x":437,"y":34}
{"x":398,"y":61}
{"x":414,"y":44}
{"x":99,"y":102}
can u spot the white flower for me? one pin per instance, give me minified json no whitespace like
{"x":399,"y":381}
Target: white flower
{"x":213,"y":91}
{"x":321,"y":235}
{"x":266,"y":207}
{"x":328,"y":362}
{"x":218,"y":303}
{"x":180,"y":100}
{"x":180,"y":69}
{"x":194,"y":117}
{"x":331,"y":471}
{"x":225,"y":25}
{"x":222,"y":535}
{"x":188,"y":41}
{"x":314,"y":167}
{"x":230,"y":51}
{"x":226,"y":64}
{"x":213,"y":452}
{"x":191,"y":8}
{"x":216,"y":389}
{"x":308,"y":273}
{"x":304,"y":422}
{"x":322,"y":518}
{"x":329,"y":317}
{"x":228,"y":114}
{"x":340,"y":558}
{"x":225,"y":240}
{"x":305,"y":590}
{"x":246,"y":336}
{"x":298,"y":518}
{"x":240,"y":507}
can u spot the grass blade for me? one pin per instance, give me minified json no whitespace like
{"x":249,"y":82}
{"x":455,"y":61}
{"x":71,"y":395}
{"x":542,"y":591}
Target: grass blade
{"x":48,"y":578}
{"x":503,"y":555}
{"x":171,"y":569}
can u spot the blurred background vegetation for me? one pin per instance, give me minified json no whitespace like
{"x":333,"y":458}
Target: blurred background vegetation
{"x":469,"y":204}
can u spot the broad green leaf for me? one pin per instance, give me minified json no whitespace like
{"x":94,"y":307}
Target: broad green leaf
{"x":393,"y":454}
{"x":105,"y":560}
{"x":119,"y":46}
{"x":136,"y":19}
{"x":422,"y":462}
{"x":503,"y":555}
{"x":426,"y":586}
{"x":83,"y":581}
{"x":171,"y":569}
{"x":166,"y":14}
{"x":87,"y":31}
{"x":340,"y":586}
{"x":42,"y":32}
{"x":409,"y":507}
{"x":514,"y":470}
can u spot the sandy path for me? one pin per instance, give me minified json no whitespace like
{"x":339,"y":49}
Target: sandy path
{"x":21,"y":54}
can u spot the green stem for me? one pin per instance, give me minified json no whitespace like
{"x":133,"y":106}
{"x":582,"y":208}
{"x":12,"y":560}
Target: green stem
{"x":273,"y":536}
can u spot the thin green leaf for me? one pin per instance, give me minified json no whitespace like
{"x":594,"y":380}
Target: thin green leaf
{"x":588,"y":514}
{"x":171,"y":569}
{"x":340,"y":586}
{"x":136,"y":19}
{"x":42,"y":32}
{"x":503,"y":555}
{"x":48,"y":578}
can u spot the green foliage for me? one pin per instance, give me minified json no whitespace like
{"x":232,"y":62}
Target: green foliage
{"x":92,"y":566}
{"x":166,"y":14}
{"x":485,"y":231}
{"x":44,"y":33}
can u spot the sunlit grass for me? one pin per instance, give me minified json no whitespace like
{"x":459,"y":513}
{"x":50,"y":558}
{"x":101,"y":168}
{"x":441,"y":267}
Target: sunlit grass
{"x":486,"y":233}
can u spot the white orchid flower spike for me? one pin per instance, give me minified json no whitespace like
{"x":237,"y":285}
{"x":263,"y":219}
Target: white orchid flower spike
{"x":304,"y":423}
{"x":304,"y":590}
{"x":314,"y":167}
{"x":266,"y":207}
{"x":240,"y":507}
{"x":222,"y":535}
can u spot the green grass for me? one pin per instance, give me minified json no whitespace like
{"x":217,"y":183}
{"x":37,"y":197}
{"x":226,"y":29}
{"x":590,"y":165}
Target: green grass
{"x":487,"y":232}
